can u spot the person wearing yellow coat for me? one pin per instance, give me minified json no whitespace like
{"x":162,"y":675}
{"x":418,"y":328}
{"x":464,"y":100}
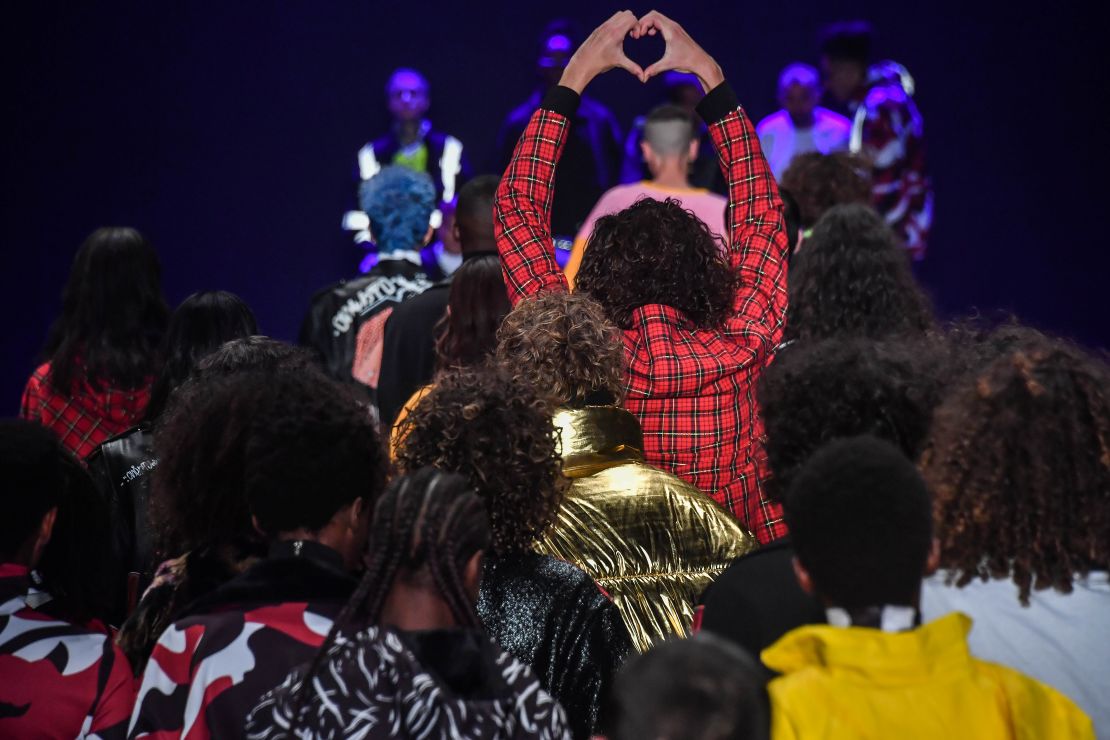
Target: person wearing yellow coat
{"x":652,"y":541}
{"x":861,"y":523}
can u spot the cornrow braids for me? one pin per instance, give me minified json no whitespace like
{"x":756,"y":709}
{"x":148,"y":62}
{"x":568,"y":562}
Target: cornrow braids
{"x":1019,"y":462}
{"x":426,"y":524}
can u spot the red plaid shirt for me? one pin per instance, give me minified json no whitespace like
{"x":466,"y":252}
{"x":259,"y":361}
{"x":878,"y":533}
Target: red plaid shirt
{"x":86,"y":418}
{"x":692,"y":389}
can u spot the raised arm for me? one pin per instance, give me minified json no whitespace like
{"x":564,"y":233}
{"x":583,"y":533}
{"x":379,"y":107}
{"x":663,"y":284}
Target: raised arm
{"x":758,"y":246}
{"x":522,"y":209}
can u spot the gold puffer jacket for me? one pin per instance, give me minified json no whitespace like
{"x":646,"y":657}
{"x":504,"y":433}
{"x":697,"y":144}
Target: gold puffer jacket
{"x":650,"y":539}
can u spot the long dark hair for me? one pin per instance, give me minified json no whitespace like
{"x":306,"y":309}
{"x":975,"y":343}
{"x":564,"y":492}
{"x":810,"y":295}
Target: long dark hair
{"x":201,"y":324}
{"x":113,"y":314}
{"x":427,"y":522}
{"x":852,"y":278}
{"x":477,"y":304}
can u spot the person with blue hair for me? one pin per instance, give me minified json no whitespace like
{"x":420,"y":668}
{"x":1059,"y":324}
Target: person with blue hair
{"x":345,"y":321}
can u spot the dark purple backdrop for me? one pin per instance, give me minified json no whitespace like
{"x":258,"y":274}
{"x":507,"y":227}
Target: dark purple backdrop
{"x":227,"y":135}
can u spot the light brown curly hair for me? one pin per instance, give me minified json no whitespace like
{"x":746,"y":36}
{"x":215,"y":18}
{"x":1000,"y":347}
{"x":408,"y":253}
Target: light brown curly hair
{"x":565,"y":346}
{"x":492,"y":427}
{"x":820,"y":181}
{"x":1019,"y":463}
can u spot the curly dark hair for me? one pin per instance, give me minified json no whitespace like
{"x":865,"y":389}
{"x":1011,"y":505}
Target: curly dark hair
{"x":1019,"y":462}
{"x":820,"y":181}
{"x":814,"y":393}
{"x":113,"y":314}
{"x":852,"y":278}
{"x":289,"y":448}
{"x":658,"y":252}
{"x":565,"y":345}
{"x":478,"y":301}
{"x":496,"y":430}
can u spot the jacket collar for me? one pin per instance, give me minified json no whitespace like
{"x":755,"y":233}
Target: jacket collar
{"x":890,"y":658}
{"x":594,"y":438}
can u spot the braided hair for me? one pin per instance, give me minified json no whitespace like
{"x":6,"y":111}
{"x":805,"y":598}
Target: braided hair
{"x":426,"y":527}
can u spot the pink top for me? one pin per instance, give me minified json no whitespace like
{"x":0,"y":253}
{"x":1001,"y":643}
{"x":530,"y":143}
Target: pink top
{"x":707,"y":206}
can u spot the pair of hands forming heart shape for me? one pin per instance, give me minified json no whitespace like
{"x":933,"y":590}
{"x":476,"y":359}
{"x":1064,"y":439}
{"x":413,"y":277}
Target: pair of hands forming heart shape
{"x":604,"y":50}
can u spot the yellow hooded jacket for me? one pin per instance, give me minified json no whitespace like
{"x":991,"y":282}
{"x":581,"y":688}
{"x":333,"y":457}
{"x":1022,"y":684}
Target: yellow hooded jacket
{"x":651,"y":540}
{"x":855,"y":682}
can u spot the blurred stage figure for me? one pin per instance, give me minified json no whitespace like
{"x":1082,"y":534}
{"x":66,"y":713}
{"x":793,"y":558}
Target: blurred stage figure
{"x":684,"y":91}
{"x":412,"y":142}
{"x":591,"y":161}
{"x":887,"y":129}
{"x":801,"y":126}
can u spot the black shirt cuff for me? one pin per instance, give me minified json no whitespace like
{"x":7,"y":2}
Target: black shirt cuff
{"x":561,"y":100}
{"x":718,"y":103}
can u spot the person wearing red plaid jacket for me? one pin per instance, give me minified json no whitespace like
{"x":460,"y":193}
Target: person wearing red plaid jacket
{"x":694,"y":352}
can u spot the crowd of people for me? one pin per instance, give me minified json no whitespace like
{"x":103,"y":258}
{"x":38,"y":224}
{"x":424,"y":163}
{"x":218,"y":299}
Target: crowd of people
{"x":725,"y":475}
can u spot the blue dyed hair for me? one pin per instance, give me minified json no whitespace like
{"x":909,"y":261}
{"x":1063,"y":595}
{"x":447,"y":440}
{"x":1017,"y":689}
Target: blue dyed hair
{"x":399,"y":203}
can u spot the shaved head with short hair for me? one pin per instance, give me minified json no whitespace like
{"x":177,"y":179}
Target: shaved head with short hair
{"x":669,"y":130}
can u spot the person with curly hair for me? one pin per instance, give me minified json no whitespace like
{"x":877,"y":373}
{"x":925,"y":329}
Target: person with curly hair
{"x":698,"y":322}
{"x":295,"y":457}
{"x":495,"y":429}
{"x":860,"y":518}
{"x":649,"y":538}
{"x":1019,"y":462}
{"x":407,"y":656}
{"x":101,"y":355}
{"x":197,"y":516}
{"x":813,"y":394}
{"x":820,"y":181}
{"x":345,"y":322}
{"x":852,"y":279}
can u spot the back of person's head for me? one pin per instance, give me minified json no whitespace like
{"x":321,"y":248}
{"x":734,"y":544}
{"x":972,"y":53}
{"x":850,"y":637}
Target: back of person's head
{"x":860,"y":521}
{"x":1019,"y":462}
{"x":847,"y":41}
{"x":703,"y":688}
{"x":668,"y":131}
{"x":66,"y":547}
{"x":113,"y":314}
{"x":816,"y":392}
{"x":201,"y":324}
{"x":565,"y":345}
{"x":657,"y":252}
{"x":429,"y":530}
{"x":494,"y":429}
{"x":256,"y":353}
{"x":474,"y":213}
{"x":852,"y":278}
{"x":399,"y":203}
{"x":478,"y":301}
{"x":288,"y":448}
{"x":820,"y":181}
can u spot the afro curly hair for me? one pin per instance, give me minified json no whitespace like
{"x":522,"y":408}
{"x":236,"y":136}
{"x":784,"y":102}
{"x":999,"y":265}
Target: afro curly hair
{"x":1019,"y":461}
{"x":820,"y":181}
{"x":399,"y":203}
{"x":851,"y":278}
{"x":815,"y":393}
{"x":565,"y":345}
{"x":496,"y":430}
{"x":658,"y":252}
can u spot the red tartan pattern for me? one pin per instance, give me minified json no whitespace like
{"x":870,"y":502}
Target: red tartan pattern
{"x":85,"y":419}
{"x":692,"y":389}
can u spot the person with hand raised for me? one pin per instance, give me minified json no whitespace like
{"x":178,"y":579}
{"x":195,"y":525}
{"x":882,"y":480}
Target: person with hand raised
{"x":698,"y":322}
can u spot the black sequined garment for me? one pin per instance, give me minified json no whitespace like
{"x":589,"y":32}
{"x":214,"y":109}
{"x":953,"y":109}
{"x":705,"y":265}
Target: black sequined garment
{"x":553,"y":617}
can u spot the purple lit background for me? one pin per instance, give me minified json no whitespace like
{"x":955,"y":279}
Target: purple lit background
{"x":227,"y":135}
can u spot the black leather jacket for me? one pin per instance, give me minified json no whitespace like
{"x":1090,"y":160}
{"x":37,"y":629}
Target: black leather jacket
{"x":121,"y":469}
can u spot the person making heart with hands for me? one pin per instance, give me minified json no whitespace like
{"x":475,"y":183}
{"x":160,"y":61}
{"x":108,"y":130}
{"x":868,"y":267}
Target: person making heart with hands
{"x":698,"y":321}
